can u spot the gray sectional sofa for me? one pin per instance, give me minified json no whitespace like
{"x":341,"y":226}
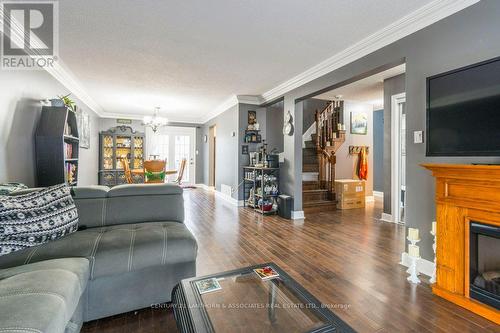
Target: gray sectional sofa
{"x":131,"y":249}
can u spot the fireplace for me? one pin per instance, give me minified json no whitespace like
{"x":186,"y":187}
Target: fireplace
{"x":484,"y":267}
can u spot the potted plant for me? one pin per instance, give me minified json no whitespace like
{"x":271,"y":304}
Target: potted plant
{"x":63,"y":101}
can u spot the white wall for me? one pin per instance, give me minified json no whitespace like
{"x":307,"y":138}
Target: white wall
{"x":346,"y":164}
{"x":20,"y":95}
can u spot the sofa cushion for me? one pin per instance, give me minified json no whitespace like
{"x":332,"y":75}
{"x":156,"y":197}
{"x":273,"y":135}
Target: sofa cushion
{"x":90,"y":192}
{"x":117,"y":249}
{"x":143,"y":190}
{"x":43,"y":296}
{"x":35,"y":218}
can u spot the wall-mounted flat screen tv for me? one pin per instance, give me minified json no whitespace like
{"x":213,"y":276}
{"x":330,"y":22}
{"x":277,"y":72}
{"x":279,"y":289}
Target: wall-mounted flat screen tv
{"x":463,"y":111}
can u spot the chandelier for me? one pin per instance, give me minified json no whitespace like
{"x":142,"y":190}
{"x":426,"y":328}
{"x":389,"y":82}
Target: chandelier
{"x":155,"y":122}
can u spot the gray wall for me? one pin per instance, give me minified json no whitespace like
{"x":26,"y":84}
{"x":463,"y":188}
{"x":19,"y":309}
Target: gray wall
{"x":461,"y":39}
{"x":227,"y":154}
{"x":19,"y":113}
{"x":311,"y":105}
{"x":274,"y":127}
{"x":378,"y":150}
{"x":392,"y":86}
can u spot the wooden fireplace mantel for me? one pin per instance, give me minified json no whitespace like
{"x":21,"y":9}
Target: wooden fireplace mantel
{"x":464,"y":193}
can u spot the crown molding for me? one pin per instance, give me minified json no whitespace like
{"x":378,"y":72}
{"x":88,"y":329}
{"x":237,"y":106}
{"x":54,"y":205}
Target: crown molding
{"x":250,"y":99}
{"x":171,"y":120}
{"x":419,"y":19}
{"x":229,"y":103}
{"x":62,"y":74}
{"x":59,"y":71}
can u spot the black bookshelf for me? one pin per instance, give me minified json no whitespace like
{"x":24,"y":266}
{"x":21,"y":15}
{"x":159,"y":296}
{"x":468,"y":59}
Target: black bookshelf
{"x":57,"y":147}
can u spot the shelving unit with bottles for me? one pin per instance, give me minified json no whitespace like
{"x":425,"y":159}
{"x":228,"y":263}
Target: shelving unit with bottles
{"x":116,"y":144}
{"x":57,"y":147}
{"x":261,"y":186}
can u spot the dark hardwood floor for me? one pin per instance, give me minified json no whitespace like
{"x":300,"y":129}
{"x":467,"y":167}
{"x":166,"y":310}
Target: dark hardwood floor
{"x":341,"y":257}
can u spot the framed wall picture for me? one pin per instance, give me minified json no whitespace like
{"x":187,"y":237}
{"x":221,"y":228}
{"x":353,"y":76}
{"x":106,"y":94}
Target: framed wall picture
{"x":244,"y":149}
{"x":252,"y":117}
{"x":359,"y":122}
{"x":83,"y":128}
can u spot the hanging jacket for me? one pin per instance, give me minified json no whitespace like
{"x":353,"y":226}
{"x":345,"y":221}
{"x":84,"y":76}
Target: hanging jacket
{"x":363,"y":164}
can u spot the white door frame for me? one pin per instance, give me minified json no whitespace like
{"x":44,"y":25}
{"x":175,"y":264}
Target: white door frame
{"x":172,"y":131}
{"x":395,"y":154}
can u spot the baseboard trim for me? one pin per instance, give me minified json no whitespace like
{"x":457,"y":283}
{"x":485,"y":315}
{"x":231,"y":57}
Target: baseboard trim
{"x":378,"y":194}
{"x":226,"y":197}
{"x":424,"y":266}
{"x":221,"y":195}
{"x":386,"y":218}
{"x":298,"y":215}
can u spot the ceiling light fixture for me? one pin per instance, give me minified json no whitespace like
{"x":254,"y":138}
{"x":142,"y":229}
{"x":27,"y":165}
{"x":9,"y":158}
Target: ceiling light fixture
{"x":155,"y":122}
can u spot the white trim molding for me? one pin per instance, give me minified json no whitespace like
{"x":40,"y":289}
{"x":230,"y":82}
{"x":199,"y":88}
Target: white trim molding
{"x":298,"y":215}
{"x":396,"y":100}
{"x":386,"y":218}
{"x":202,"y":186}
{"x":221,"y":195}
{"x":424,"y":266}
{"x":419,"y":19}
{"x":378,"y":194}
{"x":229,"y":103}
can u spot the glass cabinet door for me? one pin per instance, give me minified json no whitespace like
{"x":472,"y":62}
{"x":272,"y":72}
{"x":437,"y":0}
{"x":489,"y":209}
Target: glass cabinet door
{"x":123,"y":150}
{"x":138,"y":153}
{"x":107,"y":152}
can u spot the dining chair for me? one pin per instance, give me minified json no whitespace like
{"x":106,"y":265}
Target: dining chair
{"x":154,"y":171}
{"x":126,"y":170}
{"x":180,"y":174}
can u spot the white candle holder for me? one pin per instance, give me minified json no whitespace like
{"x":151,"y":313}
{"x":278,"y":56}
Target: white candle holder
{"x":433,"y":276}
{"x":412,"y":270}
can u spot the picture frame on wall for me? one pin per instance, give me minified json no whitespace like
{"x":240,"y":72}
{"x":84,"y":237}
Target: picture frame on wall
{"x":83,"y":119}
{"x":359,"y":122}
{"x":252,"y":117}
{"x":244,"y":149}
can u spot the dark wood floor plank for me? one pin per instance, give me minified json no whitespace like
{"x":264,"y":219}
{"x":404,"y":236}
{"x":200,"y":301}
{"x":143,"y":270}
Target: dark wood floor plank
{"x":341,"y":257}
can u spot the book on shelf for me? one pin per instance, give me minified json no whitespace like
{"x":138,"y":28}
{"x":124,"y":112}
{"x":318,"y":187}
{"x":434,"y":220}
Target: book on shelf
{"x":68,"y":150}
{"x":71,"y":173}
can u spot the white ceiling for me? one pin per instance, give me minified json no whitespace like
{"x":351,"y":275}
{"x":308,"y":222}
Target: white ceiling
{"x":190,"y":56}
{"x":369,"y":90}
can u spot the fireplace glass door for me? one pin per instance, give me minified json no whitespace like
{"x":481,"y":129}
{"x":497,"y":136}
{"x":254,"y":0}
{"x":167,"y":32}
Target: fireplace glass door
{"x":485,"y":264}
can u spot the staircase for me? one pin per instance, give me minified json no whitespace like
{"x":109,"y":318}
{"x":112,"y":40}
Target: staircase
{"x":318,"y":160}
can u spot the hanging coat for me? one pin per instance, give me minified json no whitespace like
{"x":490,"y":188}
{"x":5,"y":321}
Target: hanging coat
{"x":363,"y":164}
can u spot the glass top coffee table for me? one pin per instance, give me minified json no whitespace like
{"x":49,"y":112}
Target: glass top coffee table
{"x":240,"y":301}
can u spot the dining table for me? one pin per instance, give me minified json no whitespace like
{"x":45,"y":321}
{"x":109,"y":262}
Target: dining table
{"x":141,"y":172}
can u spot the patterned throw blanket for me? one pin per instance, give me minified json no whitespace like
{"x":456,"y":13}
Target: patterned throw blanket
{"x":35,"y":218}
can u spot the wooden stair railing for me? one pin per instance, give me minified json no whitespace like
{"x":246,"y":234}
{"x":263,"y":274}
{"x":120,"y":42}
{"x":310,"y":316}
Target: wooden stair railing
{"x":329,"y":138}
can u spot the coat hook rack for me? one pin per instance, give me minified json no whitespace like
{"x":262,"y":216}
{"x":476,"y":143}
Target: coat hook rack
{"x":354,"y":150}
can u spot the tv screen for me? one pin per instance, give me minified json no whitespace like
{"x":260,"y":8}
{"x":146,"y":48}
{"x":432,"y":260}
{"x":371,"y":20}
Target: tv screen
{"x":463,"y":111}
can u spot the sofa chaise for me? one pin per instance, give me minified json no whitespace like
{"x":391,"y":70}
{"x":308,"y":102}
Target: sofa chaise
{"x":131,"y":249}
